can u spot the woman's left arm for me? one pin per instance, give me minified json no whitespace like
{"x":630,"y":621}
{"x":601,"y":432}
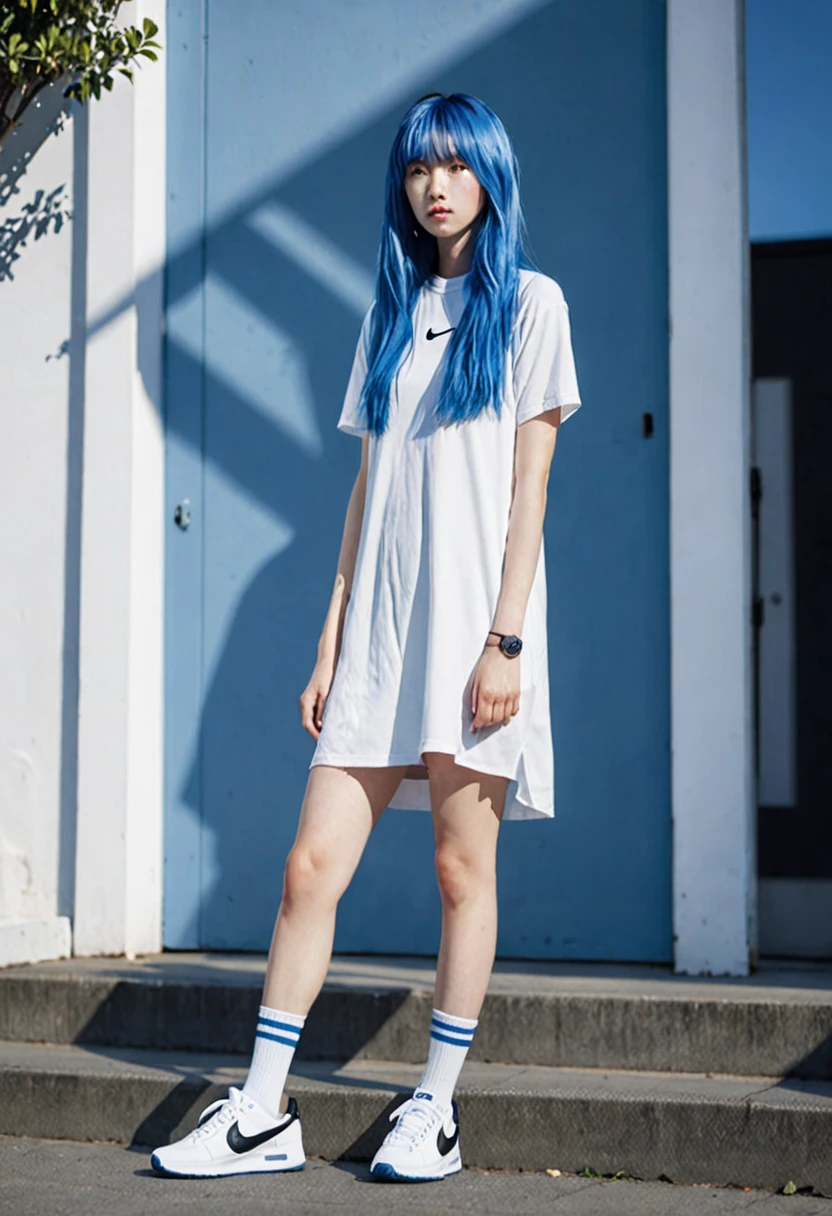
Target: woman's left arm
{"x":495,"y":694}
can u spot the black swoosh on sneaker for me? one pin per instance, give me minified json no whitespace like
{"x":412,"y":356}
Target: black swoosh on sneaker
{"x":446,"y":1143}
{"x":238,"y":1143}
{"x":430,"y":335}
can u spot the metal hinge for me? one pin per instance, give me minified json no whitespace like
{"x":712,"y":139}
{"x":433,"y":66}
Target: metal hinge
{"x":756,"y":490}
{"x":758,"y":612}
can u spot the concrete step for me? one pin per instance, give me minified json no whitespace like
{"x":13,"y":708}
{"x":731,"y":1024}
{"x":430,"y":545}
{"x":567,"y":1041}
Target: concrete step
{"x":776,"y":1023}
{"x":686,"y":1127}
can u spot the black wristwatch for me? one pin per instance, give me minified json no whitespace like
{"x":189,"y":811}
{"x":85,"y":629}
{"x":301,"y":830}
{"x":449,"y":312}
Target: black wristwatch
{"x":510,"y":644}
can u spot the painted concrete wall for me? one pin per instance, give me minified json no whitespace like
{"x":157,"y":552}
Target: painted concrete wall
{"x":789,"y":89}
{"x":81,"y":462}
{"x":38,"y":594}
{"x":56,"y":568}
{"x":258,"y":359}
{"x":714,"y":892}
{"x":118,"y":867}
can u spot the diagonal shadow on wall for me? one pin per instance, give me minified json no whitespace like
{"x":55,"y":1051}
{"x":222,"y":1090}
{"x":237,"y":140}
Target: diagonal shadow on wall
{"x":597,"y":213}
{"x":261,"y":331}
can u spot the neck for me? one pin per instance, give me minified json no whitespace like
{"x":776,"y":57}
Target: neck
{"x":455,"y":254}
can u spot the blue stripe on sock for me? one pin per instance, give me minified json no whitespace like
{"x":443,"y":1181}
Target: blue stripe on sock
{"x":460,"y":1030}
{"x":281,"y":1025}
{"x":265,"y":1034}
{"x":443,"y":1038}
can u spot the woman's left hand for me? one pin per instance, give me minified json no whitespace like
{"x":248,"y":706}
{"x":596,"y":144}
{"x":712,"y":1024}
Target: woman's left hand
{"x":495,"y":693}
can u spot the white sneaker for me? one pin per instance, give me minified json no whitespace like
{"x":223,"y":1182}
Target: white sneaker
{"x":235,"y":1135}
{"x":424,"y":1144}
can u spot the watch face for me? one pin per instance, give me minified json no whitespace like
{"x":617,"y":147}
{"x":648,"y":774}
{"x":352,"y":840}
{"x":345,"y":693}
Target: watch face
{"x":511,"y":645}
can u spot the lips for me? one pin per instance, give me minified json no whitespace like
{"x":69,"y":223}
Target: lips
{"x":437,"y":213}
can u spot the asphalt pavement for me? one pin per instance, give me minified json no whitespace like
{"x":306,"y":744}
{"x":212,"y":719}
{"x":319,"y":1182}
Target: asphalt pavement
{"x":65,"y":1178}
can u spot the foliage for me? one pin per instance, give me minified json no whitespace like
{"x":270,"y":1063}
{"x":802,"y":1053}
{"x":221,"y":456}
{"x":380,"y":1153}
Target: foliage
{"x":42,"y":41}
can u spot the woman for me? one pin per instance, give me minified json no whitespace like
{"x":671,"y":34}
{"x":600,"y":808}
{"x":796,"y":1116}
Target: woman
{"x":462,"y":375}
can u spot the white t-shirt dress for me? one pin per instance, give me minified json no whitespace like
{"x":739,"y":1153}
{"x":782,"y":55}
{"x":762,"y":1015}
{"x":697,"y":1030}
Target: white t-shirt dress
{"x":429,"y":563}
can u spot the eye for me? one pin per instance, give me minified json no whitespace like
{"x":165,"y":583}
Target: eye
{"x":414,"y":169}
{"x":458,"y":166}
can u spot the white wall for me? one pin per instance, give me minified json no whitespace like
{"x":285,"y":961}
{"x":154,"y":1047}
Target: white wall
{"x":34,"y":393}
{"x":82,"y":557}
{"x":118,"y":874}
{"x":714,"y":863}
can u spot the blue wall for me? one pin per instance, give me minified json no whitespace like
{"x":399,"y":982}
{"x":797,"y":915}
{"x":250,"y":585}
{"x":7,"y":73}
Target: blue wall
{"x":789,"y":90}
{"x":281,"y":119}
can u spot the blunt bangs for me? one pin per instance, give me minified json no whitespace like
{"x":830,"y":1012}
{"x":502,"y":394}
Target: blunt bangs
{"x":427,"y":138}
{"x":439,"y":129}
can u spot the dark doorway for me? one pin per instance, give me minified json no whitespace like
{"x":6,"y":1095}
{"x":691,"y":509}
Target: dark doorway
{"x":792,"y":344}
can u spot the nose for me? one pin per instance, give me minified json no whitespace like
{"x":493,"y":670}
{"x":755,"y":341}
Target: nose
{"x":438,"y":184}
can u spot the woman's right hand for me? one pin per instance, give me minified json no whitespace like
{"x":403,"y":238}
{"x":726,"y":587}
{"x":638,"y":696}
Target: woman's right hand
{"x":313,"y":698}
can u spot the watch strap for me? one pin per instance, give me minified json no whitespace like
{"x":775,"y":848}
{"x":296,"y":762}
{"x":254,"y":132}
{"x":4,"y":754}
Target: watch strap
{"x":510,"y":643}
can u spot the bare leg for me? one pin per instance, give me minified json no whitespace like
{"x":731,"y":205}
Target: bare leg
{"x":467,"y":810}
{"x":340,"y":808}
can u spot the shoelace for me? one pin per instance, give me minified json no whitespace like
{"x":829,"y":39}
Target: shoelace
{"x":415,"y":1118}
{"x":226,"y":1109}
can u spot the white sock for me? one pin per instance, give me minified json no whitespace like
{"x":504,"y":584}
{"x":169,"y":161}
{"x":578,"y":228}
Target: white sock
{"x":274,"y":1045}
{"x":450,"y":1038}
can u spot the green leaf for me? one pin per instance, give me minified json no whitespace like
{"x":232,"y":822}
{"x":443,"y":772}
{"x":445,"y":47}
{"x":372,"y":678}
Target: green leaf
{"x":84,"y":40}
{"x":790,"y":1188}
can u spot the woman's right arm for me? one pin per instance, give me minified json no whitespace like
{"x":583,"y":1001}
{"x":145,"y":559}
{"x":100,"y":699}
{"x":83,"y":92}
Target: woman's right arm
{"x":313,"y":698}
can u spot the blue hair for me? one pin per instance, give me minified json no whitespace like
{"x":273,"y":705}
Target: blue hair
{"x":437,"y":128}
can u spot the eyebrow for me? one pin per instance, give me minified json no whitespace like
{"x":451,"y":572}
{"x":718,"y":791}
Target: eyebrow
{"x":423,"y":160}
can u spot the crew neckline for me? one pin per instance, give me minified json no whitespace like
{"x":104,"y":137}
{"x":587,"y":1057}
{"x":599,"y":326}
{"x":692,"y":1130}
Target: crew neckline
{"x":436,"y":283}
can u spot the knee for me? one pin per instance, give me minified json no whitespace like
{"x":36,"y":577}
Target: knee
{"x":459,"y":876}
{"x":309,"y":874}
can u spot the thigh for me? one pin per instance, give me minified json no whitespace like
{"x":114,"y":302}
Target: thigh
{"x":467,"y":805}
{"x":340,"y":808}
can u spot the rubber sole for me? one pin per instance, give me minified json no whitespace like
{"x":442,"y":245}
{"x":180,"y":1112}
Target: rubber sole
{"x":384,"y":1172}
{"x":167,"y":1173}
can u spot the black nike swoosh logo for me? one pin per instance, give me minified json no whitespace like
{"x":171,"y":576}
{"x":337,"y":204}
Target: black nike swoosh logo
{"x":431,"y":335}
{"x":238,"y":1143}
{"x":446,"y":1143}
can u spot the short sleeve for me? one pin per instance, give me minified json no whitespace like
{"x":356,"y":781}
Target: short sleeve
{"x":350,"y":421}
{"x":544,"y":365}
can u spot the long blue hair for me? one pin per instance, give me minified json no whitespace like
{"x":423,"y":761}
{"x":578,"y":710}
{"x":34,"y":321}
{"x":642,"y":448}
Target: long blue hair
{"x":434,"y":129}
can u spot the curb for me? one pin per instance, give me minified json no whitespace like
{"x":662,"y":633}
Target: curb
{"x":723,"y":1130}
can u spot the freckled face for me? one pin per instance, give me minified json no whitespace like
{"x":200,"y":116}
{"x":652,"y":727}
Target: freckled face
{"x":445,"y":197}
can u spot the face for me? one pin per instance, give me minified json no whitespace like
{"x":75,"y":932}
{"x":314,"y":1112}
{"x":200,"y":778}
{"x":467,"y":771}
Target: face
{"x":445,"y":197}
